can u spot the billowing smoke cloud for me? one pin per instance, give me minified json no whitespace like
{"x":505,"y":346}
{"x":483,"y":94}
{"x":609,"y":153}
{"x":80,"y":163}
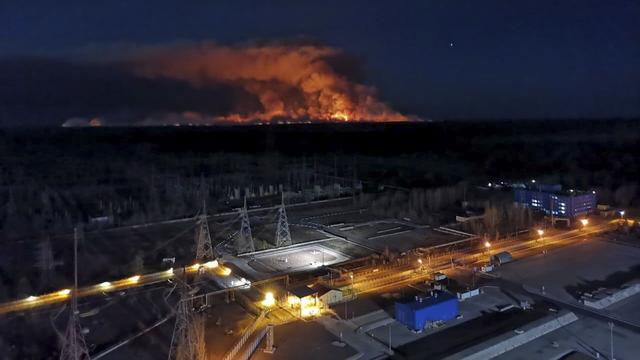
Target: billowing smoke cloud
{"x":291,"y":82}
{"x":201,"y":84}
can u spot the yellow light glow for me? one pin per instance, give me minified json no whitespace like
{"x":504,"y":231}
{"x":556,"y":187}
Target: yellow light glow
{"x":169,"y":271}
{"x":226,"y":271}
{"x":307,"y":301}
{"x":487,"y":244}
{"x":194,"y":267}
{"x":306,"y":311}
{"x":420,"y":261}
{"x":134,"y":279}
{"x":105,"y":285}
{"x":540,"y":232}
{"x":211,"y":264}
{"x":269,"y":300}
{"x":293,"y":300}
{"x":64,"y":292}
{"x":584,"y":222}
{"x":32,"y":298}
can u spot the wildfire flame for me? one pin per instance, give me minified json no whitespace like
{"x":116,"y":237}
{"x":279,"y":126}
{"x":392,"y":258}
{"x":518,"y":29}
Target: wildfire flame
{"x":291,"y":82}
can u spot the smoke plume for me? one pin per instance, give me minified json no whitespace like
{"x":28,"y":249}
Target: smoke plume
{"x":290,"y":82}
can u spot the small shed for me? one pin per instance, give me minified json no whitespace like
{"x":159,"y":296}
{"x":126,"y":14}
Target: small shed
{"x":417,"y":312}
{"x":327,"y":295}
{"x":305,"y":299}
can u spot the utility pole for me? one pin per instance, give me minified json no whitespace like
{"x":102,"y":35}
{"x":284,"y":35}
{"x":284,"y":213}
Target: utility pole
{"x":73,"y":345}
{"x":244,"y":241}
{"x":283,"y":236}
{"x":611,"y":338}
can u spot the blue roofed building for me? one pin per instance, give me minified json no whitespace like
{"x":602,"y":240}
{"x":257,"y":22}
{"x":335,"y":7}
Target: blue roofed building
{"x":418,"y":312}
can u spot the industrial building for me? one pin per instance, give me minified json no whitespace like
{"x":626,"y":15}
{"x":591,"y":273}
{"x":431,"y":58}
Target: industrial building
{"x":554,"y":201}
{"x":418,"y":312}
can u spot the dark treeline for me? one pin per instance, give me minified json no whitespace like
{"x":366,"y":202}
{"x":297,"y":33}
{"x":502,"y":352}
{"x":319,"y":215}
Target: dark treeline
{"x":51,"y":178}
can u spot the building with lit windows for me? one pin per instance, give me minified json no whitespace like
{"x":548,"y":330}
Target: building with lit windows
{"x":554,"y":201}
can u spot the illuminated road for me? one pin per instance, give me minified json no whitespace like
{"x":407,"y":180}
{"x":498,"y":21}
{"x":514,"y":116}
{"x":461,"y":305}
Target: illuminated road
{"x":399,"y":276}
{"x":212,"y":267}
{"x":373,"y":281}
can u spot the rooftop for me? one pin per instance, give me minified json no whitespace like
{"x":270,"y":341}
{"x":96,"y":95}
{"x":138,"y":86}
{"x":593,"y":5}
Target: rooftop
{"x":302,"y":291}
{"x":555,"y":189}
{"x":423,"y":302}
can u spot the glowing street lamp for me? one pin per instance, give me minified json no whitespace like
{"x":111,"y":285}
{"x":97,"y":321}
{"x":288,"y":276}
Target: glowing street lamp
{"x":194,"y":267}
{"x":584,"y":222}
{"x":269,"y":300}
{"x":540,"y":232}
{"x":420,"y":262}
{"x":225,"y":271}
{"x":487,"y":245}
{"x":211,"y":264}
{"x":352,"y":290}
{"x":621,"y":214}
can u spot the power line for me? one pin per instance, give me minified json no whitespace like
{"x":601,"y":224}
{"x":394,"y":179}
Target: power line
{"x":74,"y":346}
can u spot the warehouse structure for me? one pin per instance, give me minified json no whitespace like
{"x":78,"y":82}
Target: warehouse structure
{"x":420,"y":312}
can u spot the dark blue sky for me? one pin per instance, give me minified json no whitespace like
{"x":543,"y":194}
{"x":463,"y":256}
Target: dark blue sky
{"x":509,"y":59}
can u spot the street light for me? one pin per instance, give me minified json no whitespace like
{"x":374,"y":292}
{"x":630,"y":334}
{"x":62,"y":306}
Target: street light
{"x":488,"y":246}
{"x":611,"y":339}
{"x":541,"y":233}
{"x":621,"y":214}
{"x":269,"y":300}
{"x":584,"y":222}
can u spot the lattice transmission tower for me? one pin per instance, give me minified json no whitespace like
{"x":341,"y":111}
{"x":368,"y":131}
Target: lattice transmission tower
{"x":283,"y":236}
{"x":187,"y":342}
{"x":204,"y":249}
{"x":73,"y":345}
{"x":244,"y":241}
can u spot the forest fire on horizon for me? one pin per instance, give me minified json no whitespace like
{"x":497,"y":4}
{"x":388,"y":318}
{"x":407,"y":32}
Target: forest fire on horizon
{"x":293,"y":82}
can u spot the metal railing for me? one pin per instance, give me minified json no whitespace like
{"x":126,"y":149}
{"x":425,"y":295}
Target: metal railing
{"x":247,"y":334}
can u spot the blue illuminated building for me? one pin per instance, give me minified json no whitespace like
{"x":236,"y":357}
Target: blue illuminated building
{"x":553,"y":200}
{"x":418,"y":312}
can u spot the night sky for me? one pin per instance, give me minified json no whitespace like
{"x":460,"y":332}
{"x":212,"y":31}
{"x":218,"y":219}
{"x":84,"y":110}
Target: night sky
{"x":466,"y":59}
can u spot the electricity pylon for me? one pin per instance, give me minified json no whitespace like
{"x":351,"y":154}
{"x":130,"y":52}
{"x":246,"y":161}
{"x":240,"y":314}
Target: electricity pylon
{"x":244,"y":241}
{"x":45,"y":262}
{"x":283,"y":237}
{"x":73,"y":345}
{"x":204,"y":250}
{"x":187,"y":342}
